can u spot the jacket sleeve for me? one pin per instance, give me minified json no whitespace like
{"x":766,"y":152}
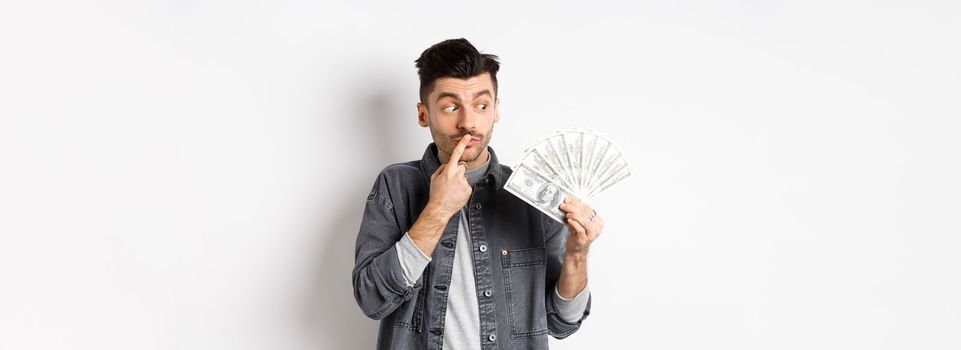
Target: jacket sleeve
{"x":555,"y":237}
{"x":378,"y":277}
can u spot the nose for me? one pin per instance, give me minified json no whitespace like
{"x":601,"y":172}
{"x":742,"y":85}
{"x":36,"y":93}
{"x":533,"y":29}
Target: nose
{"x":468,"y":120}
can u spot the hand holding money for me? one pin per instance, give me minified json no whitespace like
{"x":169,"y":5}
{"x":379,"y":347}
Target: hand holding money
{"x":570,"y":163}
{"x":584,"y":223}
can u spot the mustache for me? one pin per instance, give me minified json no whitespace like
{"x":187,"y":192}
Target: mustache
{"x":480,"y":136}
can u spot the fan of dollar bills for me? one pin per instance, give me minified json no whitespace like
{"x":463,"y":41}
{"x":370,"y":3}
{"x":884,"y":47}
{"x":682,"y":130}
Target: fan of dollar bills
{"x":575,"y":162}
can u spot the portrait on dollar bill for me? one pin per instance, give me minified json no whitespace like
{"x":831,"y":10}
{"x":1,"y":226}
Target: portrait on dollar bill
{"x":549,"y":195}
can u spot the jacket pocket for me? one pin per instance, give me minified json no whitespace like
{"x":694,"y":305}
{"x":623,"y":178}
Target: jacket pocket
{"x":411,"y":313}
{"x":524,"y":279}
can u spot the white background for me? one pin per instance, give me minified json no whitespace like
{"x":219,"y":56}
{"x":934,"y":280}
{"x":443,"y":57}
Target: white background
{"x":191,"y":174}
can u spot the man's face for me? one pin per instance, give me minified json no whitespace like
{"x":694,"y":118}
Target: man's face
{"x":456,"y":107}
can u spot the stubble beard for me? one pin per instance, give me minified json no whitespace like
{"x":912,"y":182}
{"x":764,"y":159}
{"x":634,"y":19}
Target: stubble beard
{"x":449,"y":149}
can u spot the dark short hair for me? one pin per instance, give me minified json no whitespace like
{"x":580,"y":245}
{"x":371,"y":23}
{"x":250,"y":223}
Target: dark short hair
{"x":453,"y":58}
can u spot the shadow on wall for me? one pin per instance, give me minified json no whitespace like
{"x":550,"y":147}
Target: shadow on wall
{"x":332,"y":318}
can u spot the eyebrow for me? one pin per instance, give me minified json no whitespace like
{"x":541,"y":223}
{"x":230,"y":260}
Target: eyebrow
{"x":454,"y":96}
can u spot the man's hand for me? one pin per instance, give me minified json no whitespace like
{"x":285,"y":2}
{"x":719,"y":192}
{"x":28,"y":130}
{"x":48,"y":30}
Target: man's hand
{"x":449,"y":192}
{"x":584,"y":224}
{"x":585,"y":227}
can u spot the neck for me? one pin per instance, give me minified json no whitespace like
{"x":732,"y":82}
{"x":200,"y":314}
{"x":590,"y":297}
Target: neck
{"x":477,"y":163}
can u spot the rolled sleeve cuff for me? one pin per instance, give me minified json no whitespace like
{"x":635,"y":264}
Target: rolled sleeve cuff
{"x":571,"y":310}
{"x":412,"y":260}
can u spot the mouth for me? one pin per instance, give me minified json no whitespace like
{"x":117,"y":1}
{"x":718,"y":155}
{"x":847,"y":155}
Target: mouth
{"x":474,"y":140}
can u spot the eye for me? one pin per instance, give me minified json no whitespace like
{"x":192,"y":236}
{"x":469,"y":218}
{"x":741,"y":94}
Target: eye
{"x":482,"y":106}
{"x":449,"y":109}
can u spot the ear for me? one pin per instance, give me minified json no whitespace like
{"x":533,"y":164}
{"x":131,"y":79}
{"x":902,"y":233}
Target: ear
{"x":422,"y":115}
{"x":497,"y":113}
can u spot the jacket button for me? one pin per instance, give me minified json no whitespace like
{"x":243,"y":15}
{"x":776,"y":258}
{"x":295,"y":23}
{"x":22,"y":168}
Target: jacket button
{"x":477,"y":206}
{"x":492,"y":337}
{"x":483,"y":248}
{"x":504,"y":252}
{"x":488,"y":293}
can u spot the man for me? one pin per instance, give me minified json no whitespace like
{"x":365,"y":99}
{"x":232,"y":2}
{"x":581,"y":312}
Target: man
{"x":448,"y":259}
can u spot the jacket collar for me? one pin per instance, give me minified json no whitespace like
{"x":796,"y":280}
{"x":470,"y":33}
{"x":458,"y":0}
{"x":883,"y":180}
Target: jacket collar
{"x":429,"y":164}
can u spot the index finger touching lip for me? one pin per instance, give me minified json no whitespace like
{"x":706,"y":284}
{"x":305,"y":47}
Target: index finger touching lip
{"x":459,"y":149}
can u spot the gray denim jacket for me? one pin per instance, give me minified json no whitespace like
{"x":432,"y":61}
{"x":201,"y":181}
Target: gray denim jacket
{"x":517,"y":258}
